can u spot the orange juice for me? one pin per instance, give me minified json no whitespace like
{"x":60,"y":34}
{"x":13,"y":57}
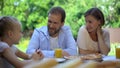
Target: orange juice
{"x":58,"y":53}
{"x":117,"y":52}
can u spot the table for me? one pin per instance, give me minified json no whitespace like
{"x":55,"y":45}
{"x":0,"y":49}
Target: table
{"x":105,"y":58}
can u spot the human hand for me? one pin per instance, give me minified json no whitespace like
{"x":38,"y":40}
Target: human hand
{"x":84,"y":52}
{"x":40,"y":53}
{"x":64,"y":53}
{"x":37,"y":55}
{"x":99,"y":30}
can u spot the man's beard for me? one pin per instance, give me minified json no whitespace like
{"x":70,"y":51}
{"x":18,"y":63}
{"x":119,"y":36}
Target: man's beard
{"x":54,"y":32}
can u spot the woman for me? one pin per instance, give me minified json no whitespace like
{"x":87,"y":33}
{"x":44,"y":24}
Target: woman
{"x":91,"y":37}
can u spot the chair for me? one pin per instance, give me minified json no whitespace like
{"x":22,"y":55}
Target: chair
{"x":1,"y":63}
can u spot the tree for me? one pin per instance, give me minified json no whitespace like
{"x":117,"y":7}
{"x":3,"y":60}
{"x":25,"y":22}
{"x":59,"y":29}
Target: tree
{"x":33,"y":13}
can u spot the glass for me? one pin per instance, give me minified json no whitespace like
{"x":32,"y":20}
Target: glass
{"x":58,"y":53}
{"x":117,"y":51}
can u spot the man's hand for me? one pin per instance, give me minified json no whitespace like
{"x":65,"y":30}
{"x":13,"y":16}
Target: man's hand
{"x":37,"y":55}
{"x":64,"y":53}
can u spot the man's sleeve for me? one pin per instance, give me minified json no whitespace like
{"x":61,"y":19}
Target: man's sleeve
{"x":34,"y":43}
{"x":70,"y":42}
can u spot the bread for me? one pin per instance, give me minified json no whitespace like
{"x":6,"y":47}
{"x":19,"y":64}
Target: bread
{"x":71,"y":57}
{"x":108,"y":64}
{"x":89,"y":64}
{"x":45,"y":63}
{"x":70,"y":63}
{"x":86,"y":57}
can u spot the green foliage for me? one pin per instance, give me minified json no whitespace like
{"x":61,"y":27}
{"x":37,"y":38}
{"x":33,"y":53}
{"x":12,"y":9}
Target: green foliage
{"x":33,"y":13}
{"x":23,"y":44}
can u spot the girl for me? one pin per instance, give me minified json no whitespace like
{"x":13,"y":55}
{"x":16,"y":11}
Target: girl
{"x":10,"y":33}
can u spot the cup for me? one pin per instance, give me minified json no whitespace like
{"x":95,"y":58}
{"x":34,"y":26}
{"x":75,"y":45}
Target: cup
{"x":58,"y":53}
{"x":117,"y":51}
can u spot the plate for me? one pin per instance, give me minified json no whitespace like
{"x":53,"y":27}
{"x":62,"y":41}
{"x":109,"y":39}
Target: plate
{"x":60,"y":60}
{"x":91,"y":56}
{"x":71,"y":57}
{"x":107,"y":58}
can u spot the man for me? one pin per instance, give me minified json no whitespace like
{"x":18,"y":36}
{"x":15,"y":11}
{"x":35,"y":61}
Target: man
{"x":54,"y":35}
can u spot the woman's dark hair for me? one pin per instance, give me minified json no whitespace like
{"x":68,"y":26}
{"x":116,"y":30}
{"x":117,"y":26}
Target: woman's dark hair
{"x":96,"y":13}
{"x":58,"y":10}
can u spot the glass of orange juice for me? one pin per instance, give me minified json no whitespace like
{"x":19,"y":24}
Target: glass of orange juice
{"x":117,"y":51}
{"x":58,"y":53}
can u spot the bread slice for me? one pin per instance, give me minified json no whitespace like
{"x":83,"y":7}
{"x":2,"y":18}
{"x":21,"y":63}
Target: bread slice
{"x":70,"y":63}
{"x":45,"y":63}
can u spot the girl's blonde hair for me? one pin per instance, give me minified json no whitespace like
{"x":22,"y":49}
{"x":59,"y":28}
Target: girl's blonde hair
{"x":6,"y":24}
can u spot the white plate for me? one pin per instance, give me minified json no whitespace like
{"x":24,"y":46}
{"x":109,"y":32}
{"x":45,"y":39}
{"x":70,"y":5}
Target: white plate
{"x":60,"y":60}
{"x":71,"y":57}
{"x":109,"y":58}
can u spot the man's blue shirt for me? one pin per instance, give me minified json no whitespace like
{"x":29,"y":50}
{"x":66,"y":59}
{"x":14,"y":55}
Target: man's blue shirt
{"x":40,"y":40}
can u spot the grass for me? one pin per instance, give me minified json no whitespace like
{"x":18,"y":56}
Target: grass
{"x":25,"y":41}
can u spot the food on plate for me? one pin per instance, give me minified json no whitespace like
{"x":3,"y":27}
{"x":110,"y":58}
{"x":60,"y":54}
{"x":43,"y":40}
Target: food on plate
{"x":91,"y":56}
{"x":85,"y":57}
{"x":45,"y":63}
{"x":71,"y":57}
{"x":70,"y":63}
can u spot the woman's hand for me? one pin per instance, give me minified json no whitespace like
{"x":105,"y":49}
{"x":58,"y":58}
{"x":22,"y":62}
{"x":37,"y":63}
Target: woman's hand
{"x":99,"y":31}
{"x":84,"y":52}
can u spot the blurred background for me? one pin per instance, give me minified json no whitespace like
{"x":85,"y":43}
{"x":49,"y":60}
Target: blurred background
{"x":34,"y":13}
